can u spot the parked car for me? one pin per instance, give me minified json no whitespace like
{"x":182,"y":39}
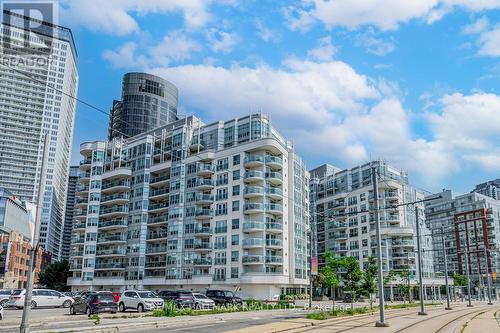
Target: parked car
{"x":202,"y":302}
{"x":139,"y":300}
{"x":183,"y":299}
{"x":40,"y":298}
{"x":223,"y":297}
{"x":69,"y":294}
{"x":91,"y":303}
{"x":4,"y":296}
{"x":348,"y":298}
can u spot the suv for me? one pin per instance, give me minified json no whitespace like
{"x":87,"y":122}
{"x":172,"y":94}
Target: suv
{"x":4,"y":296}
{"x":94,"y":303}
{"x":224,"y":297}
{"x":183,"y":299}
{"x":40,"y":298}
{"x":139,"y":300}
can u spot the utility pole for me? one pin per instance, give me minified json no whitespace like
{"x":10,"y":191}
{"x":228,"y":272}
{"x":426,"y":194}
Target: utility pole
{"x":448,"y":307}
{"x":408,"y":276}
{"x":468,"y":275}
{"x":25,"y":325}
{"x":419,"y":253}
{"x":310,"y":269}
{"x":488,"y":275}
{"x":381,"y":322}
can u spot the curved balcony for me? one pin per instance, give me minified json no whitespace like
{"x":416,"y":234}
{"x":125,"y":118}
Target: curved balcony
{"x":79,"y":226}
{"x":249,"y":243}
{"x":204,"y":213}
{"x":110,"y":266}
{"x":253,"y":226}
{"x":115,"y":186}
{"x":155,"y":250}
{"x":114,"y":211}
{"x":205,"y":169}
{"x":274,"y":208}
{"x":273,"y":227}
{"x":118,"y":223}
{"x":196,"y":146}
{"x":86,"y":148}
{"x":85,"y":164}
{"x":254,"y":176}
{"x":111,"y":253}
{"x":252,"y":161}
{"x":81,"y":202}
{"x":274,"y":260}
{"x":202,"y":246}
{"x":253,"y":191}
{"x":120,"y":238}
{"x":158,"y":207}
{"x":204,"y":184}
{"x":84,"y":177}
{"x":82,"y":190}
{"x":160,"y":193}
{"x":274,"y":243}
{"x":253,"y":208}
{"x":201,"y":231}
{"x":403,"y":243}
{"x":77,"y":241}
{"x":156,"y":236}
{"x":252,"y":259}
{"x":274,"y":162}
{"x":115,"y":199}
{"x":160,"y":180}
{"x":340,"y":236}
{"x":274,"y":193}
{"x":75,"y":267}
{"x":158,"y":220}
{"x":204,"y":198}
{"x":275,"y":178}
{"x":122,"y":172}
{"x":202,"y":261}
{"x":80,"y":214}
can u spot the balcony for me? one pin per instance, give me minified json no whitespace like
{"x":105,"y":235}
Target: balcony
{"x":111,"y":252}
{"x":159,"y":180}
{"x":340,"y":236}
{"x":202,"y":231}
{"x":253,"y":208}
{"x":85,"y":164}
{"x":274,"y":162}
{"x":275,"y":178}
{"x":274,"y":260}
{"x":81,"y":190}
{"x":252,"y":260}
{"x":250,"y":243}
{"x":152,"y":250}
{"x":158,"y":207}
{"x":274,"y":193}
{"x":156,"y":194}
{"x":116,"y":185}
{"x":114,"y":211}
{"x":115,"y":199}
{"x":254,"y":176}
{"x":205,"y":169}
{"x":275,"y":208}
{"x":77,"y":240}
{"x":403,"y":243}
{"x":196,"y":145}
{"x":204,"y":213}
{"x":75,"y":267}
{"x":253,"y":191}
{"x":79,"y":225}
{"x":204,"y":184}
{"x":252,"y":161}
{"x":113,"y":224}
{"x":110,"y":266}
{"x":157,"y":220}
{"x":202,"y":261}
{"x":120,"y":238}
{"x":81,"y":202}
{"x":156,"y":236}
{"x":202,"y":246}
{"x":121,"y":172}
{"x":253,"y":226}
{"x":84,"y":177}
{"x":204,"y":198}
{"x":76,"y":253}
{"x":274,"y":227}
{"x":155,"y":264}
{"x":274,"y":243}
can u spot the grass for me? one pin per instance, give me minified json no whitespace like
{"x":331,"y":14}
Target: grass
{"x":337,"y":313}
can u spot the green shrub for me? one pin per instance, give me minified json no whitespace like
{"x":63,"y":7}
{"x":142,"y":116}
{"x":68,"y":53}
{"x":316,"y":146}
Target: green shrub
{"x":169,"y":310}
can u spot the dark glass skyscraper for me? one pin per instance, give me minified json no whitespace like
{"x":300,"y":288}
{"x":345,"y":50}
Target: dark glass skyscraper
{"x":148,"y":102}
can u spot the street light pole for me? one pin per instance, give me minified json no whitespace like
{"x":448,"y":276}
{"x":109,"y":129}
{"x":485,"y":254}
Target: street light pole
{"x":468,"y":276}
{"x":448,"y":307}
{"x":25,"y":321}
{"x":310,"y":269}
{"x":488,"y":275}
{"x":381,"y":322}
{"x":419,"y":253}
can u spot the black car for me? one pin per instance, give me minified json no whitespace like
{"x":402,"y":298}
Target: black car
{"x":183,"y":299}
{"x":348,"y":298}
{"x":91,"y":303}
{"x":223,"y":297}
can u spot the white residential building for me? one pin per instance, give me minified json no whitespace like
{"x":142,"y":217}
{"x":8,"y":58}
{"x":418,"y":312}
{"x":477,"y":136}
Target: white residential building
{"x":193,"y":206}
{"x":34,"y":99}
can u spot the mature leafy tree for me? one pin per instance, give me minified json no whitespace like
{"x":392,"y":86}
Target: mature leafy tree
{"x":352,"y":276}
{"x":55,"y":275}
{"x":329,"y":274}
{"x":459,"y":280}
{"x":369,"y":284}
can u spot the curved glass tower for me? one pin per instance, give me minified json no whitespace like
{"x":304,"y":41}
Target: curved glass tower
{"x":148,"y":102}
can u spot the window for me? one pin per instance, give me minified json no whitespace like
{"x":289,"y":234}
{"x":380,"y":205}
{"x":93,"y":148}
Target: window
{"x":221,"y":209}
{"x":236,"y":174}
{"x":235,"y":256}
{"x":235,"y":239}
{"x":234,"y":272}
{"x":222,"y":164}
{"x":221,"y":194}
{"x":220,"y":227}
{"x":236,"y":190}
{"x":236,"y":159}
{"x":222,"y":179}
{"x":236,"y":206}
{"x":235,"y":224}
{"x":220,"y":242}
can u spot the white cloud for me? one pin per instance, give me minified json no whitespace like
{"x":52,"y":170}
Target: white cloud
{"x":477,"y":27}
{"x":374,"y":45}
{"x":175,"y":47}
{"x":383,"y":14}
{"x":264,"y":33}
{"x":222,"y":41}
{"x":116,"y":16}
{"x":488,"y":40}
{"x":324,"y":51}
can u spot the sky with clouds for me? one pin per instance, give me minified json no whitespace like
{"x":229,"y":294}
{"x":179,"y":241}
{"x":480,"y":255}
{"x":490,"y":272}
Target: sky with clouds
{"x":414,"y":82}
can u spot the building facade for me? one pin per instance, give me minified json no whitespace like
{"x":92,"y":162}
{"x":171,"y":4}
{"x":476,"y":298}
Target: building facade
{"x":345,"y":220}
{"x":490,"y":189}
{"x":34,"y":100}
{"x":193,"y":206}
{"x":69,"y":213}
{"x":148,"y":102}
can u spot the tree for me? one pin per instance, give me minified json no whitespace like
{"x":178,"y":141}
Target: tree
{"x":459,"y":280}
{"x":55,"y":276}
{"x":369,"y":284}
{"x":329,"y":274}
{"x":352,"y":276}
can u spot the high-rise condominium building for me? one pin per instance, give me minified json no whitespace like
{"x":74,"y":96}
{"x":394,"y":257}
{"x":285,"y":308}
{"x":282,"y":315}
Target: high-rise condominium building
{"x":69,"y":214}
{"x":490,"y":188}
{"x":193,"y":206}
{"x":471,"y":223}
{"x":148,"y":102}
{"x":345,"y":221}
{"x":34,"y":99}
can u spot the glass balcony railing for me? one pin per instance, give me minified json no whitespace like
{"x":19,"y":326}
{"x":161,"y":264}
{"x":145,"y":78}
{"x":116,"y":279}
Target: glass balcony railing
{"x":252,"y":259}
{"x":274,"y":242}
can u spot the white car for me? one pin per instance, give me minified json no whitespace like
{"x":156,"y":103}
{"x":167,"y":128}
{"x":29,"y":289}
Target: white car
{"x":139,"y":300}
{"x":40,"y":298}
{"x":202,"y":302}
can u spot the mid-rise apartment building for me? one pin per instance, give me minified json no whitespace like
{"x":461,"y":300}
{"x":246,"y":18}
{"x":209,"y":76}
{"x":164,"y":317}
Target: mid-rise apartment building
{"x":36,"y":83}
{"x":471,"y":223}
{"x":490,"y":189}
{"x":345,"y":220}
{"x":193,"y":206}
{"x":69,"y":213}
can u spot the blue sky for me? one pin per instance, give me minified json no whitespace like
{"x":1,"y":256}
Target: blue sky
{"x":412,"y":82}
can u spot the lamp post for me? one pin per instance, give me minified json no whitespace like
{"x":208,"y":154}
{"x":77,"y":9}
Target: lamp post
{"x":448,"y":307}
{"x":419,"y":253}
{"x":468,"y":276}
